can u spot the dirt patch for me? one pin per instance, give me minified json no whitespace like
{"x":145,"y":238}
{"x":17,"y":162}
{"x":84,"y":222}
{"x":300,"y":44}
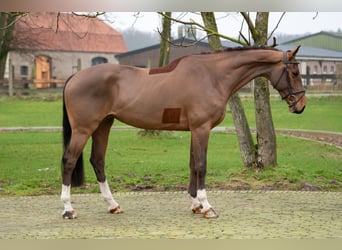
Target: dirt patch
{"x":322,"y":136}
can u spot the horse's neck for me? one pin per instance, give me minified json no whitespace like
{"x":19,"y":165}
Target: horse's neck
{"x":242,"y":66}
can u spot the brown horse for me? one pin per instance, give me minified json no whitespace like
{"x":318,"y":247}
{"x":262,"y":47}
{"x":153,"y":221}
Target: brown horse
{"x":190,"y":94}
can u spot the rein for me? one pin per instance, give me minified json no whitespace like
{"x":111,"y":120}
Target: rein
{"x":289,"y":87}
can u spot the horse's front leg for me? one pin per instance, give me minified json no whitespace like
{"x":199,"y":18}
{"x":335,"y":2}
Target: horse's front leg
{"x":198,"y":165}
{"x":113,"y":206}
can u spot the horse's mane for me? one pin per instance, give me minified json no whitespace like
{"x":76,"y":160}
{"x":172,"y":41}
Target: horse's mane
{"x":243,"y":48}
{"x":167,"y":68}
{"x":171,"y":66}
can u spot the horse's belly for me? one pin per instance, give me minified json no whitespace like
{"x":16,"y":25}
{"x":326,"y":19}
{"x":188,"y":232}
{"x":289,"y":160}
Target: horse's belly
{"x":165,"y":119}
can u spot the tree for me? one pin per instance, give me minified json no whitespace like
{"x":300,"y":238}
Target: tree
{"x":266,"y":137}
{"x":7,"y":21}
{"x":164,"y":56}
{"x":264,"y":153}
{"x":241,"y":124}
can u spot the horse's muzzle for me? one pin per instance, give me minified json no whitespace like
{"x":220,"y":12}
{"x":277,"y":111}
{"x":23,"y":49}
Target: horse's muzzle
{"x":296,"y":111}
{"x":296,"y":105}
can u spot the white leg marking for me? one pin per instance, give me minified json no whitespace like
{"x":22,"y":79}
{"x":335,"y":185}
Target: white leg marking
{"x":107,"y":195}
{"x":195,"y":203}
{"x":66,"y":198}
{"x":202,"y":197}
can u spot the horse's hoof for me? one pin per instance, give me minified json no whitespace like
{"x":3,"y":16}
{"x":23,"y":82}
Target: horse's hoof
{"x":116,"y":210}
{"x":196,"y":210}
{"x":69,"y":215}
{"x":210,"y":214}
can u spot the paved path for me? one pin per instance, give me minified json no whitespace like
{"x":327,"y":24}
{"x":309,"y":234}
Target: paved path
{"x":243,"y":215}
{"x":334,"y":138}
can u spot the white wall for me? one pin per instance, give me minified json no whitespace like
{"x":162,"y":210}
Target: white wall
{"x":63,"y":64}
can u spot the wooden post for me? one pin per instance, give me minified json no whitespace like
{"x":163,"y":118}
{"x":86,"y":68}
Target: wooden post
{"x":10,"y":78}
{"x":79,"y":64}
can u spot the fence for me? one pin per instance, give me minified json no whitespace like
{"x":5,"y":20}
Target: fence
{"x":320,"y":79}
{"x":19,"y":87}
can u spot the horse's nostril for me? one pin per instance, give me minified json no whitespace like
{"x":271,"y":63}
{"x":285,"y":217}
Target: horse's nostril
{"x":299,"y":111}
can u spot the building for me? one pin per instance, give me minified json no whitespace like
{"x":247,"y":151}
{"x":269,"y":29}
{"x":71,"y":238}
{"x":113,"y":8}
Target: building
{"x":323,"y":39}
{"x":148,"y":57}
{"x":321,"y":57}
{"x":48,"y":47}
{"x":319,"y":66}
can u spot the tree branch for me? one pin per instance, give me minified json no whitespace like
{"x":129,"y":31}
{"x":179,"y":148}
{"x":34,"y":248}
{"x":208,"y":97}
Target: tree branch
{"x":250,"y":24}
{"x":276,"y":27}
{"x":57,"y":23}
{"x":14,"y":14}
{"x":247,"y":41}
{"x":181,"y":44}
{"x":241,"y":35}
{"x":210,"y":31}
{"x":315,"y":16}
{"x":90,"y":14}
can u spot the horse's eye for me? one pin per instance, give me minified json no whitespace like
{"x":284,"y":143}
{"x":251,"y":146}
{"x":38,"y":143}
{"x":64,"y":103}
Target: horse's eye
{"x":295,"y":74}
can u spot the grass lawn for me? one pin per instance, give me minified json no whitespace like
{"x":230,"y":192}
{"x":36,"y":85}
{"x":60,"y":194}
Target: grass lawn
{"x":30,"y":161}
{"x":30,"y":164}
{"x":321,"y":113}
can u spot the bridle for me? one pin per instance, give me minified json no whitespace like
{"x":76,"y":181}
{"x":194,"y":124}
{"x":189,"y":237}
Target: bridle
{"x":291,"y":95}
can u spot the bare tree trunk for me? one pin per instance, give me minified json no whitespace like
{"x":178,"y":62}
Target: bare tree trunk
{"x":243,"y":132}
{"x":164,"y":57}
{"x":266,"y":137}
{"x":6,"y":35}
{"x":164,"y":54}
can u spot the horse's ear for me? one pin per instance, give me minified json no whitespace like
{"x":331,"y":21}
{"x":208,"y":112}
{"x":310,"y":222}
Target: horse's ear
{"x":294,"y":51}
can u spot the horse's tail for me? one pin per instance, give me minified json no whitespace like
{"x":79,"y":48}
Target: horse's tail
{"x":77,"y":178}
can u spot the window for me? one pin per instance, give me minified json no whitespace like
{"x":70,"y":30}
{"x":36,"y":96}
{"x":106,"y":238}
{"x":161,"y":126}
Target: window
{"x":98,"y":60}
{"x":325,"y":69}
{"x":315,"y":69}
{"x":332,"y":70}
{"x":23,"y":70}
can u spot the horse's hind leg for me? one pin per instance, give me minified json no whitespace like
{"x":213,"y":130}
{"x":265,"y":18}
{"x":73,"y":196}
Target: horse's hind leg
{"x":97,"y":159}
{"x":70,"y":157}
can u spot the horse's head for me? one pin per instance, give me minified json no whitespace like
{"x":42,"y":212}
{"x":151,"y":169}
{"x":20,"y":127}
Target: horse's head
{"x":287,"y":80}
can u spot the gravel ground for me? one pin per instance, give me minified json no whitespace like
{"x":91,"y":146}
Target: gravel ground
{"x":147,"y":215}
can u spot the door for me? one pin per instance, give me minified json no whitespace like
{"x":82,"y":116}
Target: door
{"x":43,"y":71}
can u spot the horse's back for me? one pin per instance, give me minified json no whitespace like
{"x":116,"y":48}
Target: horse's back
{"x":99,"y":80}
{"x":90,"y":94}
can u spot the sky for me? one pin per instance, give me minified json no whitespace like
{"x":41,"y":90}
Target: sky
{"x":229,"y":23}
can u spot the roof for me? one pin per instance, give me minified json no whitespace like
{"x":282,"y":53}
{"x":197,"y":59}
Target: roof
{"x":307,"y":52}
{"x":179,"y":41}
{"x":323,"y":39}
{"x":337,"y":35}
{"x":66,"y":32}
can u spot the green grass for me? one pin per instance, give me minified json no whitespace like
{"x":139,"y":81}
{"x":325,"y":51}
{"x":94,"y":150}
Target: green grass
{"x":322,"y":113}
{"x":30,"y":164}
{"x":30,"y":161}
{"x":30,"y":112}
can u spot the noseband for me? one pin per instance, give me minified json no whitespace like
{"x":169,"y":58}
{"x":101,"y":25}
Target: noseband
{"x":289,"y":87}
